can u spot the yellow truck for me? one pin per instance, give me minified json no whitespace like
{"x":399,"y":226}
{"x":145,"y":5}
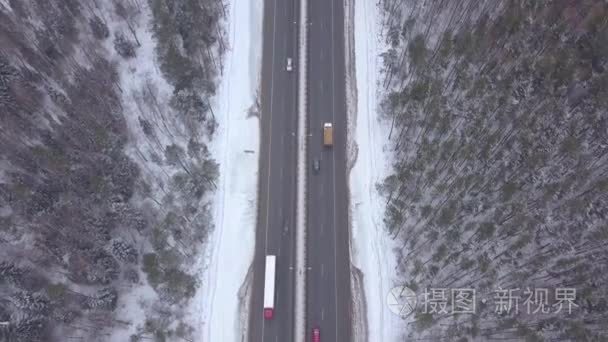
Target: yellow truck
{"x":328,"y":134}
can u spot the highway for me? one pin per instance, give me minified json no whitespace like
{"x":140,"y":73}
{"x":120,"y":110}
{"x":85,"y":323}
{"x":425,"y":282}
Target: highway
{"x":328,"y":290}
{"x":275,"y":233}
{"x":328,"y":281}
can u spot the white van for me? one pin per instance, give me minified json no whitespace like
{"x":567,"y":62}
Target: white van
{"x":289,"y":64}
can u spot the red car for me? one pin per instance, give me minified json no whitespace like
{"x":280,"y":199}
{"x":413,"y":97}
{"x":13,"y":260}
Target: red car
{"x":316,"y":335}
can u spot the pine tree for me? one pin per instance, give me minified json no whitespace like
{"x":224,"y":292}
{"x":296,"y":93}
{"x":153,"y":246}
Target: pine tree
{"x":99,"y":28}
{"x":123,"y":46}
{"x":105,"y":299}
{"x":31,"y":302}
{"x":124,"y":251}
{"x":10,"y":273}
{"x":27,"y":328}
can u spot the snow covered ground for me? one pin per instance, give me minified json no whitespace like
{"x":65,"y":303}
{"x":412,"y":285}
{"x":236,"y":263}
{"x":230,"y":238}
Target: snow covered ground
{"x":236,"y":148}
{"x":371,"y":247}
{"x":137,"y":74}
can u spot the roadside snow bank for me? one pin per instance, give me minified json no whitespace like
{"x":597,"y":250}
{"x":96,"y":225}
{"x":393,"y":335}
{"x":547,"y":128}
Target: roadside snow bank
{"x":236,"y":150}
{"x":370,"y":160}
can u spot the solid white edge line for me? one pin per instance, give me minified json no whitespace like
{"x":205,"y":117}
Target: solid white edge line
{"x":333,"y":119}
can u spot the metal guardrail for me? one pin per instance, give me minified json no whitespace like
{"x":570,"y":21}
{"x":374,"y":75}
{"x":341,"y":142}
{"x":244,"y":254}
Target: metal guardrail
{"x":301,"y":210}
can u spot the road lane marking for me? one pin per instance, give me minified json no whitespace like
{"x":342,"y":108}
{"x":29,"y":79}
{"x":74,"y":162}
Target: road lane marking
{"x":270,"y":125}
{"x":282,"y":172}
{"x":333,"y":68}
{"x":285,"y":44}
{"x":322,"y":192}
{"x":292,"y":184}
{"x":322,"y":270}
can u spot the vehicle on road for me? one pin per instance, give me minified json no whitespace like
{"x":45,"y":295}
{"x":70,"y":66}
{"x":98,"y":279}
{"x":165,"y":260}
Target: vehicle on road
{"x":269,"y":282}
{"x":316,"y":335}
{"x":316,"y":165}
{"x":289,"y":64}
{"x":328,"y":134}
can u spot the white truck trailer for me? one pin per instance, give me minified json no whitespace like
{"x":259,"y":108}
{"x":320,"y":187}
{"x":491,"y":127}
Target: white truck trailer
{"x":269,"y":282}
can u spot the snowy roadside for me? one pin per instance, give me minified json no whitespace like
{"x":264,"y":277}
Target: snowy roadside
{"x":138,"y":73}
{"x":227,"y":261}
{"x":144,"y":68}
{"x":371,"y":248}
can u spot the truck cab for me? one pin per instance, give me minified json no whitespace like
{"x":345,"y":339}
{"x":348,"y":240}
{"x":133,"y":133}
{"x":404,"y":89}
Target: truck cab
{"x":268,"y":313}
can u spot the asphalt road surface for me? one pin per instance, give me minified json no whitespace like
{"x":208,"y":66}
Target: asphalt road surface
{"x":328,"y":290}
{"x":328,"y":281}
{"x":275,"y":232}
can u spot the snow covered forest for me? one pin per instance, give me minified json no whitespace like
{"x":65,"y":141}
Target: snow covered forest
{"x":105,"y":173}
{"x":499,"y":139}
